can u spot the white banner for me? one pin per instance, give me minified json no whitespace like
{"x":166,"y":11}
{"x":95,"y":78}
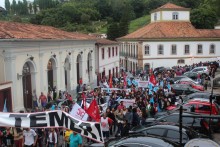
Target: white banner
{"x":78,"y":112}
{"x":50,"y":119}
{"x":143,"y":84}
{"x":127,"y":102}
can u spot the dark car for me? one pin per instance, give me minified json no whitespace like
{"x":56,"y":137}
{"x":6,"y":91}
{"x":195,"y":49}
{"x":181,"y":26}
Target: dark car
{"x":197,"y":124}
{"x":205,"y":95}
{"x":183,"y":89}
{"x":140,"y":141}
{"x":171,"y":132}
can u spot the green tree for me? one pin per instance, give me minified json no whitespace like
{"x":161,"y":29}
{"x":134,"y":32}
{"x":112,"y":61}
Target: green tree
{"x":7,"y":5}
{"x":204,"y":17}
{"x":30,"y":8}
{"x":35,"y":6}
{"x":113,"y":31}
{"x":25,"y":7}
{"x":14,"y":7}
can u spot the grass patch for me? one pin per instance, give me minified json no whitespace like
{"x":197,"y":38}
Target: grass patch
{"x":138,"y":23}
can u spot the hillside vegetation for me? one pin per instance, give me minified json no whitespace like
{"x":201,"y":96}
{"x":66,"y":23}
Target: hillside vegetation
{"x":114,"y":17}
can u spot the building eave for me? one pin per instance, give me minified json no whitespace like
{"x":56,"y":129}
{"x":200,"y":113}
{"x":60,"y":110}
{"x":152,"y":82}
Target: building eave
{"x":169,"y":39}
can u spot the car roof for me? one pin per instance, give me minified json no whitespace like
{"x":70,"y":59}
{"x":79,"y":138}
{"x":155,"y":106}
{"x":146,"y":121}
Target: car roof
{"x":172,"y":127}
{"x":147,"y":140}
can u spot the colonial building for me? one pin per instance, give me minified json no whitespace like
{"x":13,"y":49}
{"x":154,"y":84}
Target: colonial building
{"x":107,"y":63}
{"x":170,"y":39}
{"x":39,"y":58}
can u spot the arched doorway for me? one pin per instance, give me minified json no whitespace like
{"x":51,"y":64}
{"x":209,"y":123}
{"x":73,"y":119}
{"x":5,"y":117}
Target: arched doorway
{"x":79,"y":67}
{"x":67,"y":68}
{"x":51,"y":74}
{"x":89,"y":67}
{"x":28,"y":82}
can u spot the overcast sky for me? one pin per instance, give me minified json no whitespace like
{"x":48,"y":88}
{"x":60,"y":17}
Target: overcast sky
{"x":2,"y":2}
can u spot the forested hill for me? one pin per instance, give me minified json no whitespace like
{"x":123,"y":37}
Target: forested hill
{"x":114,"y":17}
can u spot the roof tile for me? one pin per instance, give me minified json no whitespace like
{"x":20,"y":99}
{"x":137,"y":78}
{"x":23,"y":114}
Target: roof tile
{"x":171,"y":29}
{"x":14,"y":30}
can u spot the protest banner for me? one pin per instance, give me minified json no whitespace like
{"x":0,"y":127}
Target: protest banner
{"x":78,"y":112}
{"x":127,"y":102}
{"x":48,"y":119}
{"x":143,"y":84}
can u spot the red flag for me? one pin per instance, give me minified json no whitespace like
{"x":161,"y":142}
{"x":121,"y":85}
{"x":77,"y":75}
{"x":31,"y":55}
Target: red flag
{"x":125,"y":82}
{"x":153,"y":79}
{"x":110,"y":82}
{"x":93,"y":111}
{"x":84,"y":100}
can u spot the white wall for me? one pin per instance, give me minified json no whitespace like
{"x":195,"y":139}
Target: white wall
{"x":16,"y":56}
{"x":169,"y":60}
{"x":108,"y":63}
{"x":168,"y":15}
{"x":183,"y":15}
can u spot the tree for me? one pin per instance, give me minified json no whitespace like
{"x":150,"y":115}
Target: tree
{"x":35,"y":6}
{"x":204,"y":17}
{"x":14,"y":7}
{"x":25,"y":7}
{"x":113,"y":31}
{"x":7,"y":5}
{"x":30,"y":8}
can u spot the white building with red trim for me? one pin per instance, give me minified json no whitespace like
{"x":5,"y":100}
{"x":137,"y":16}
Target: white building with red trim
{"x":169,"y":40}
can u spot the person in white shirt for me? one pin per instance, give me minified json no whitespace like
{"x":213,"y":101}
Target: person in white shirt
{"x":52,"y":138}
{"x":30,"y":137}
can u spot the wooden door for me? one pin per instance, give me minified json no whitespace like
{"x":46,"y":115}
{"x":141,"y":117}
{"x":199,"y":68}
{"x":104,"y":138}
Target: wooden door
{"x":50,"y":79}
{"x":27,"y":91}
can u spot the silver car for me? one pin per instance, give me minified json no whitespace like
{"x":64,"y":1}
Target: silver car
{"x":201,"y":70}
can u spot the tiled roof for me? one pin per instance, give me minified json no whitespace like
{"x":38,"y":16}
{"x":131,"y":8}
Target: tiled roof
{"x":105,"y":42}
{"x":170,"y":6}
{"x":13,"y":30}
{"x":172,"y":30}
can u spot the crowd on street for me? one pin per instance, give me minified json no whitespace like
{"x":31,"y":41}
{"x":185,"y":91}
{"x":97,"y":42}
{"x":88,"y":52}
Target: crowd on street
{"x":116,"y":117}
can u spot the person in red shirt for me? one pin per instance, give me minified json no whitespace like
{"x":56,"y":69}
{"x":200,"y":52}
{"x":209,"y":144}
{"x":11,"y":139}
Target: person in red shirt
{"x":43,"y":99}
{"x":121,"y":106}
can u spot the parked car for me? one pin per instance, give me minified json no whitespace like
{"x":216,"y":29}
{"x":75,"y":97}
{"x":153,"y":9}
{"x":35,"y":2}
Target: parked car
{"x":203,"y":106}
{"x":181,"y":78}
{"x":141,"y":141}
{"x":182,"y":89}
{"x":192,"y":75}
{"x":205,"y":95}
{"x":198,"y":124}
{"x":201,"y":70}
{"x":170,"y":132}
{"x":192,"y":84}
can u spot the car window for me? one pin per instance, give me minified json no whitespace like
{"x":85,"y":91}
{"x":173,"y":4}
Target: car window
{"x":172,"y":118}
{"x":176,"y":135}
{"x":204,"y":107}
{"x":132,"y":145}
{"x":158,"y":132}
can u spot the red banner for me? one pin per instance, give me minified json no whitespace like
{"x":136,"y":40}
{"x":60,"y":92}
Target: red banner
{"x":110,"y":82}
{"x":93,"y":111}
{"x":153,"y":79}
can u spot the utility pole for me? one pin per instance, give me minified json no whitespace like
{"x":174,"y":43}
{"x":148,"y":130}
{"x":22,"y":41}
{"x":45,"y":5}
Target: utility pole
{"x":210,"y":100}
{"x":181,"y":123}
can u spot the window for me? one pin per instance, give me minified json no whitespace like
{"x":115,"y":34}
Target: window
{"x":171,"y":134}
{"x":175,"y":15}
{"x":180,"y":61}
{"x":116,"y":48}
{"x":155,"y":16}
{"x":158,"y":132}
{"x":199,"y":50}
{"x":212,"y":49}
{"x":173,"y":49}
{"x":103,"y":53}
{"x":147,"y":50}
{"x":109,"y":52}
{"x":204,"y":107}
{"x":187,"y":49}
{"x":113,"y":51}
{"x":160,"y":50}
{"x":171,"y":118}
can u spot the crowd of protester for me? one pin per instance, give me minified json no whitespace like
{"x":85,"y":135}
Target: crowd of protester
{"x":116,"y":119}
